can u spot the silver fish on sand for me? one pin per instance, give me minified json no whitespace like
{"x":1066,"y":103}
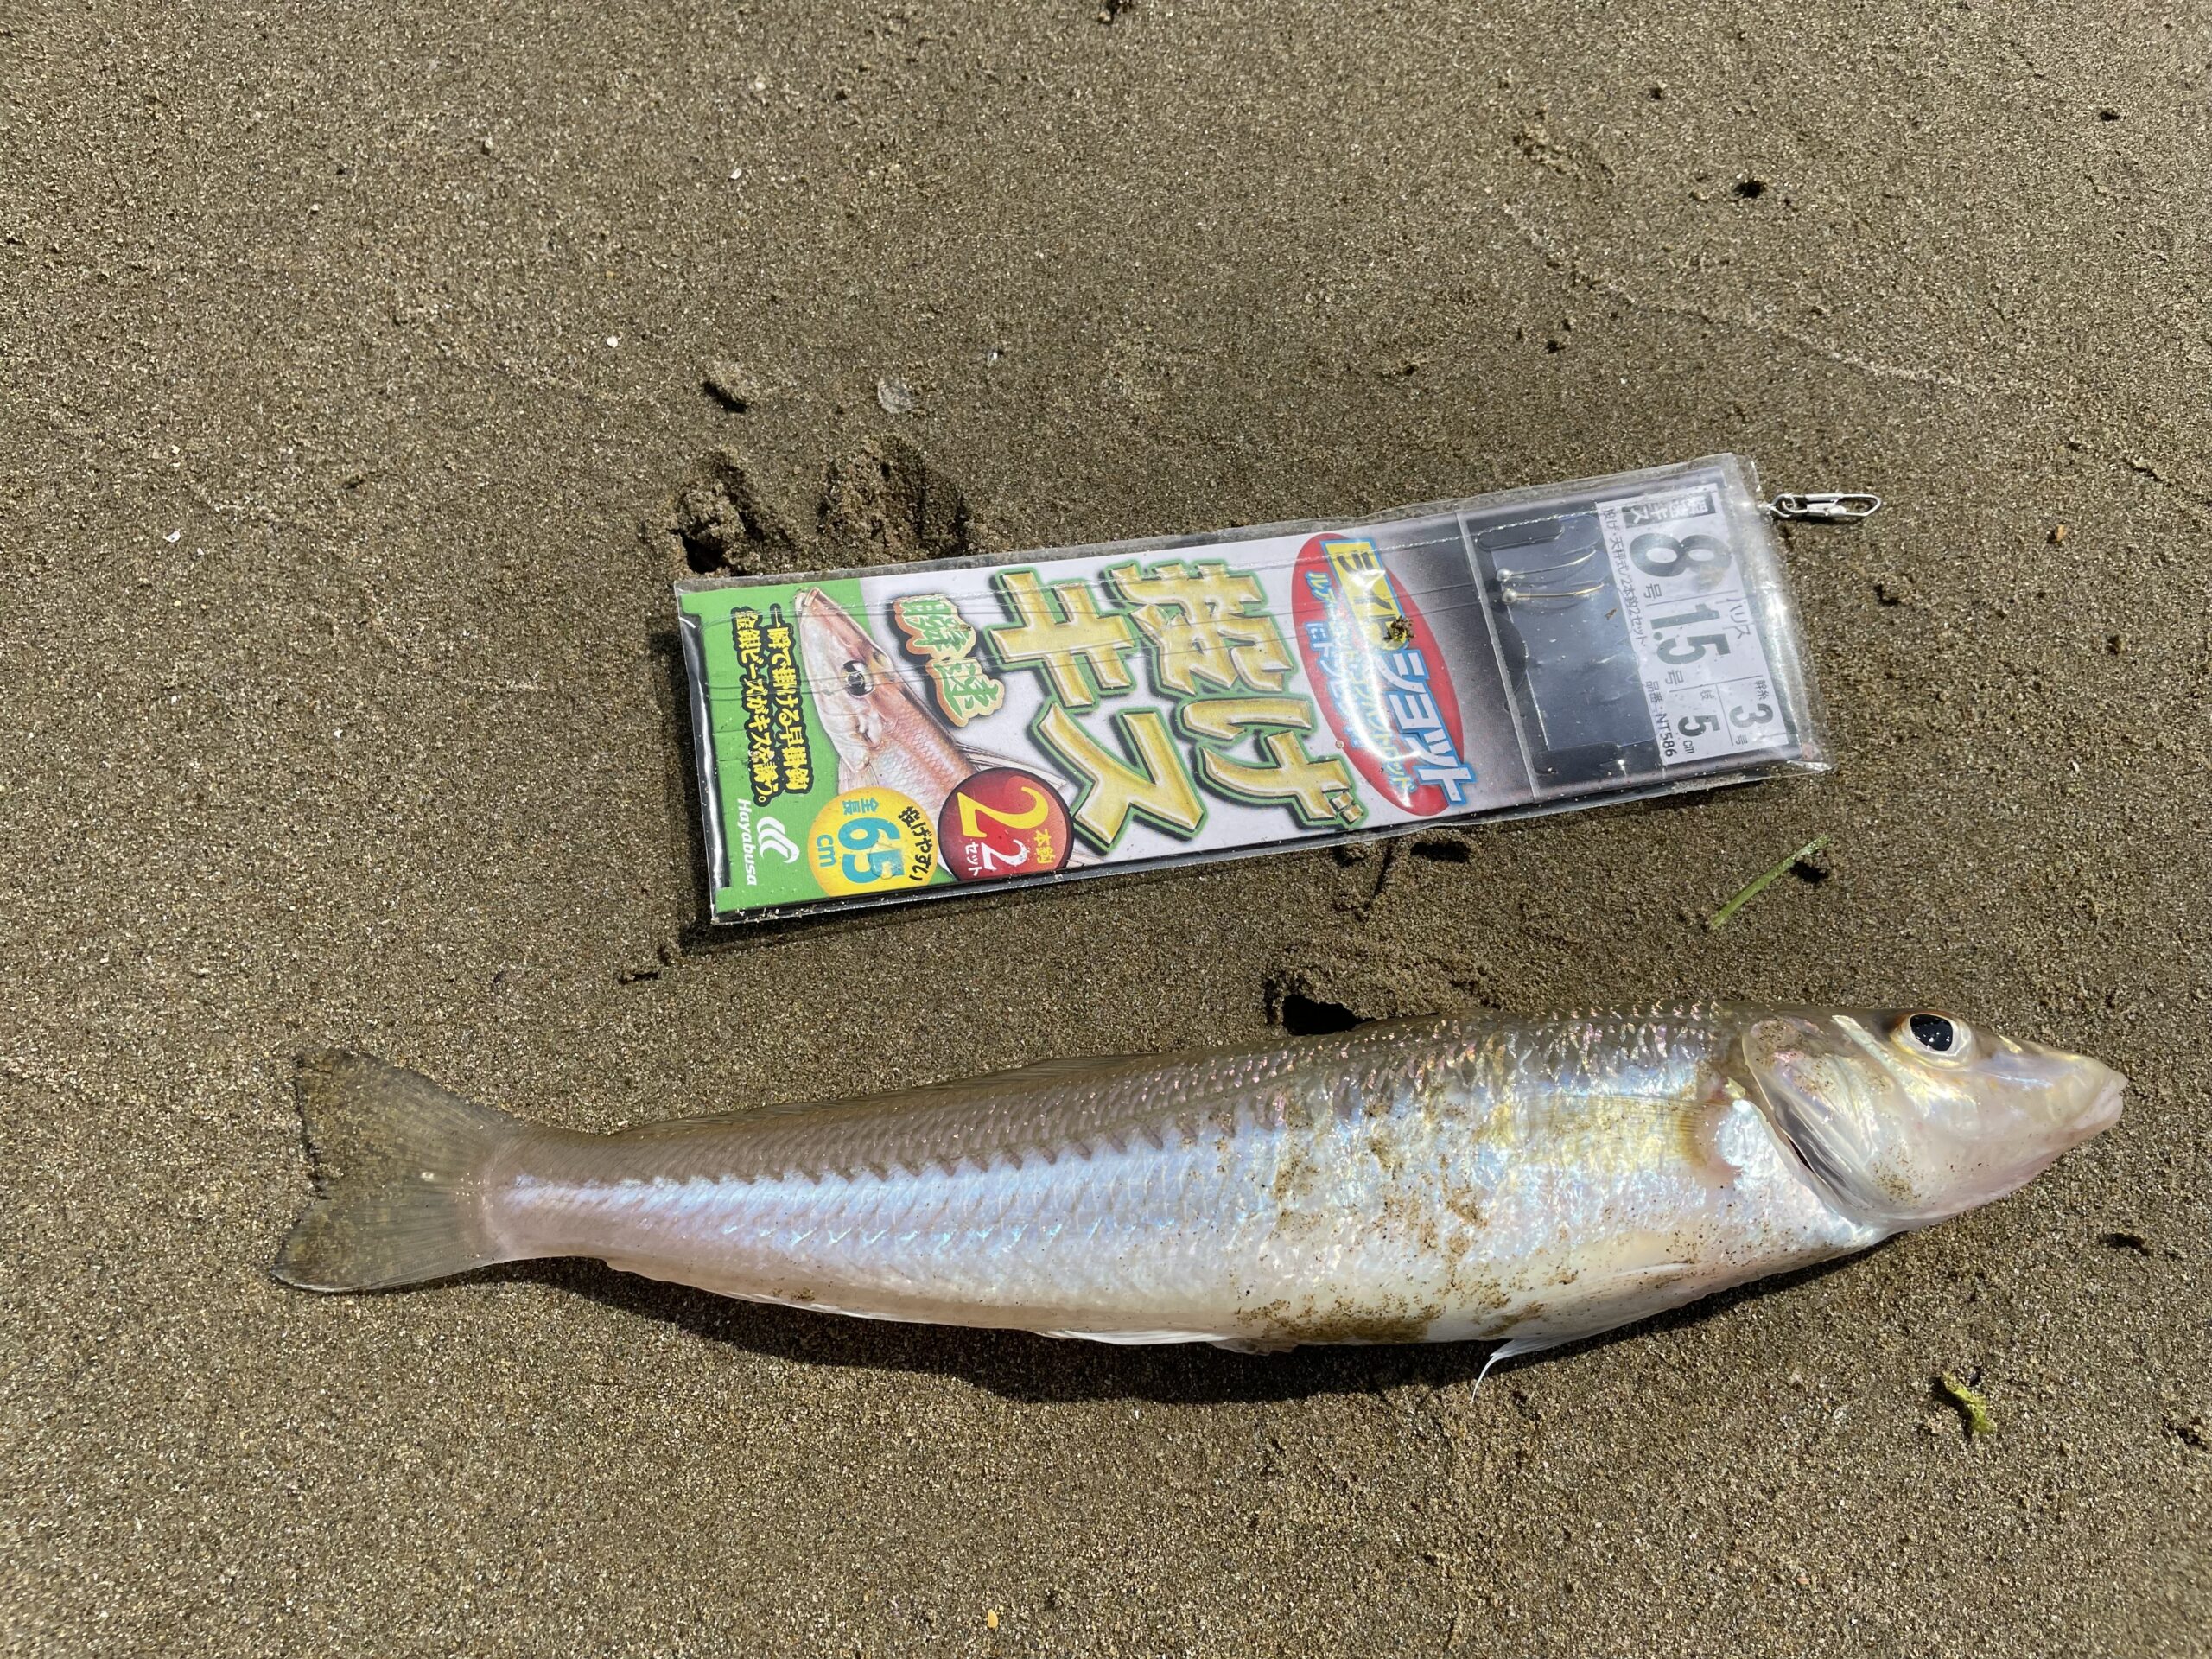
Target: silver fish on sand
{"x":1528,"y":1181}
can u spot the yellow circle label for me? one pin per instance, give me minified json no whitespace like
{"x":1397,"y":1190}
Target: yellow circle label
{"x":871,"y":841}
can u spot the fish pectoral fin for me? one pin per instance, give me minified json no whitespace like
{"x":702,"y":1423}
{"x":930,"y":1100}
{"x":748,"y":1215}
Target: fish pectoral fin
{"x":1515,"y":1348}
{"x":1520,"y":1348}
{"x":1608,"y":1300}
{"x":1138,"y":1338}
{"x":1254,"y":1345}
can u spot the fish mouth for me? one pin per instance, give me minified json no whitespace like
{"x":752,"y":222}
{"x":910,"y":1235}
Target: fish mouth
{"x":2104,"y":1111}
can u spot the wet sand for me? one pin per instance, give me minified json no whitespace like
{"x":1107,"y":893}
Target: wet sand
{"x":354,"y":428}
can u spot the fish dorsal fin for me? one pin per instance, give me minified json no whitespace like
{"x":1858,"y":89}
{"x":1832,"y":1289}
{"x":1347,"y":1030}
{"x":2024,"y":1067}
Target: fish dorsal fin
{"x":1037,"y":1074}
{"x":1051,"y":1071}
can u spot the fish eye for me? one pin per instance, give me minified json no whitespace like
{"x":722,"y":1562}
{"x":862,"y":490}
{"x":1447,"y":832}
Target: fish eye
{"x":856,"y":679}
{"x":1936,"y":1035}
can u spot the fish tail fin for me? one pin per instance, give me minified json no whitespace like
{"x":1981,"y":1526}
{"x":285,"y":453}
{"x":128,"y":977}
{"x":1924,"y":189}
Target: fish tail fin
{"x":398,"y":1168}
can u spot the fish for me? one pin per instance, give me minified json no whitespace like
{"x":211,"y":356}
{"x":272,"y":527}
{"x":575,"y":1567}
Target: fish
{"x":884,"y":736}
{"x":1523,"y":1181}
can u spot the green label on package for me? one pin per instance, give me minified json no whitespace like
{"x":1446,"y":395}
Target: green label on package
{"x":910,"y":730}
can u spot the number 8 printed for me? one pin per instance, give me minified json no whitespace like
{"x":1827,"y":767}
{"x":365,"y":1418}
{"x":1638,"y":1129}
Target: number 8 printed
{"x":1701,"y":555}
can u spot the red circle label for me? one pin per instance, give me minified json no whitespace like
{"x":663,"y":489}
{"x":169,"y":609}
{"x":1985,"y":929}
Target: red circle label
{"x":1003,"y":822}
{"x":1376,"y":667}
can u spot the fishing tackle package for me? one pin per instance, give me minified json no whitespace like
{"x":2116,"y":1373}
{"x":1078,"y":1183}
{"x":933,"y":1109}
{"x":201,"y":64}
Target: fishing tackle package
{"x":909,"y":731}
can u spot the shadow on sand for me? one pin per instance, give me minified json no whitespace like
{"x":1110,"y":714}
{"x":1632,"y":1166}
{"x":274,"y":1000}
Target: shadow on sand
{"x":1017,"y":1365}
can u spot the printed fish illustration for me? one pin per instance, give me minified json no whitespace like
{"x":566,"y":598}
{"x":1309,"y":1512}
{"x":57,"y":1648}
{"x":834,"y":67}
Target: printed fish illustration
{"x":1527,"y":1181}
{"x":884,"y":736}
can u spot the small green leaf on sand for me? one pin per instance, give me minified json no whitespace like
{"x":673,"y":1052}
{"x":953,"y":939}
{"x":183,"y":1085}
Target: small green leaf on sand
{"x":1760,"y":884}
{"x":1972,"y":1407}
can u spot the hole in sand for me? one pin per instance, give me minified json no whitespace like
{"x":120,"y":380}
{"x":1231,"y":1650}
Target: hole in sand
{"x":1443,"y":849}
{"x":725,"y":524}
{"x":1306,"y":1016}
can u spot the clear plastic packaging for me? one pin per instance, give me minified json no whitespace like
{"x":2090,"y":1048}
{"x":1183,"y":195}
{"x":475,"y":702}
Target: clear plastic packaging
{"x":909,"y":731}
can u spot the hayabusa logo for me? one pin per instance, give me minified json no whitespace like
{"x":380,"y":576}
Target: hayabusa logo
{"x":772,"y":838}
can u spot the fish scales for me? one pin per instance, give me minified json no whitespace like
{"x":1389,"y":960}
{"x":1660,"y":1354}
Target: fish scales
{"x":1288,"y":1219}
{"x":1530,"y":1180}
